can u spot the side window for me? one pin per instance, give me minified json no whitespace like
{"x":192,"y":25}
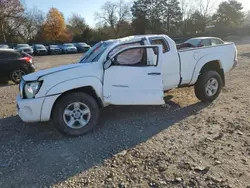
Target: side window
{"x":214,"y":42}
{"x":205,"y":42}
{"x":162,"y":42}
{"x":219,"y":41}
{"x":132,"y":57}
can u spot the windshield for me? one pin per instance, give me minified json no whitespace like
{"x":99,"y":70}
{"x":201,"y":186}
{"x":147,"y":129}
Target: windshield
{"x":82,"y":44}
{"x":194,"y":42}
{"x":94,"y":53}
{"x":4,"y":46}
{"x":22,"y":45}
{"x":68,"y":45}
{"x":54,"y":46}
{"x":39,"y":46}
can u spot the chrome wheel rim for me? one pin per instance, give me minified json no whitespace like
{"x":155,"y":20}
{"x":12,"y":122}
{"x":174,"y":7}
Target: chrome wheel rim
{"x":212,"y":87}
{"x":76,"y":115}
{"x":17,"y":75}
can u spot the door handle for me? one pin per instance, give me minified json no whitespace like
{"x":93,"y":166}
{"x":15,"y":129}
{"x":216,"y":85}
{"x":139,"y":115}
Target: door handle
{"x":154,"y":73}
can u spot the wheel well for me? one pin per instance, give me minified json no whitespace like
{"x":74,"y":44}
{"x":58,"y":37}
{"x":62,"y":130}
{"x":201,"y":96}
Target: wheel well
{"x":215,"y":66}
{"x":87,"y":89}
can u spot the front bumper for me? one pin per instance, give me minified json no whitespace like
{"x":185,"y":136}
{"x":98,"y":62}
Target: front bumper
{"x":29,"y":110}
{"x":35,"y":110}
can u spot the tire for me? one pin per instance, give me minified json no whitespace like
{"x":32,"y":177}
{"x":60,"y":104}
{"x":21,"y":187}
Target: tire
{"x":16,"y":74}
{"x":60,"y":119}
{"x":205,"y":82}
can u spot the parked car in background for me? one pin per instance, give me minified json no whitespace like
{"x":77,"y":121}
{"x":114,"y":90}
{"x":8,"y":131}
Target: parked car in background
{"x":4,"y":46}
{"x":40,"y":49}
{"x":68,"y":48}
{"x":54,"y":49}
{"x":14,"y":65}
{"x":204,"y":41}
{"x":24,"y":48}
{"x":82,"y":47}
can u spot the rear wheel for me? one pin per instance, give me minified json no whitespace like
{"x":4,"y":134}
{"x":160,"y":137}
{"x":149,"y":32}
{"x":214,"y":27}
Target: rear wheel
{"x":16,"y":75}
{"x":75,"y":114}
{"x":208,"y":86}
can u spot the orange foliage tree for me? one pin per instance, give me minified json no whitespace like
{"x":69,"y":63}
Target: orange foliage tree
{"x":55,"y":27}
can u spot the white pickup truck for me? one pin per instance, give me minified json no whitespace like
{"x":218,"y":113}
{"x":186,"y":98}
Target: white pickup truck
{"x":134,"y":70}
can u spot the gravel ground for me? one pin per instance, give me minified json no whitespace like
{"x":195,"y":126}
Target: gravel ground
{"x":183,"y":144}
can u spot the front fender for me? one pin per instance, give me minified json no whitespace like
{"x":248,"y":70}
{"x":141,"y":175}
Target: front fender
{"x":201,"y":62}
{"x":75,"y":83}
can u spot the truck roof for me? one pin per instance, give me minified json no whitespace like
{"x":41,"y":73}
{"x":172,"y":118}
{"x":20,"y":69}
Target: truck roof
{"x":135,"y":38}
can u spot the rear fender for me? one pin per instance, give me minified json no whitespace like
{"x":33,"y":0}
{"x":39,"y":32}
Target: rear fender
{"x":203,"y":61}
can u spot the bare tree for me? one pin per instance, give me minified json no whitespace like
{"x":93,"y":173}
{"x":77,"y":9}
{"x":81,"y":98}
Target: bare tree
{"x":206,"y":7}
{"x":11,"y":11}
{"x":113,"y":15}
{"x":247,"y":19}
{"x":33,"y":20}
{"x":187,"y":8}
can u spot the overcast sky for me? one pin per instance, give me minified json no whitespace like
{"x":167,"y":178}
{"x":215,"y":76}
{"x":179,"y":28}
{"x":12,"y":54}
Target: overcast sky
{"x":86,"y":8}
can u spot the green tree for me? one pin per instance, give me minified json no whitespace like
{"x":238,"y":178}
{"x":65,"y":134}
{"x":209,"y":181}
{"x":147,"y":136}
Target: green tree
{"x":172,"y":15}
{"x":77,"y":26}
{"x":140,"y":21}
{"x":156,"y":16}
{"x":199,"y":21}
{"x":229,"y":13}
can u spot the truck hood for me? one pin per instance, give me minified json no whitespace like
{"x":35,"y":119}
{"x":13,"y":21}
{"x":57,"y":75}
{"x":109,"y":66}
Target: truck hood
{"x":36,"y":75}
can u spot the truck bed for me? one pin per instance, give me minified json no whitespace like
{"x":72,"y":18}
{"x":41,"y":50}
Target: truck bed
{"x":191,"y":58}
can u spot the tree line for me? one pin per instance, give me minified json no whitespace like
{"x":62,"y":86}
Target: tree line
{"x":118,"y":19}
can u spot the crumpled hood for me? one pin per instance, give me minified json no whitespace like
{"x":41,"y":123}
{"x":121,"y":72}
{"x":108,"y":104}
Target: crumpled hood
{"x":36,"y":75}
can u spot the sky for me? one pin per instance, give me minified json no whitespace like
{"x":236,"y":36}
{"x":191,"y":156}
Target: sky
{"x":85,"y":8}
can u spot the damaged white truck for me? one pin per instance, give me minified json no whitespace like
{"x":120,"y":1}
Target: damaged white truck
{"x":134,"y":70}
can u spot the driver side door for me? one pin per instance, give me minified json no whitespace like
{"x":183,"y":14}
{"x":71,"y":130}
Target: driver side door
{"x":133,"y":76}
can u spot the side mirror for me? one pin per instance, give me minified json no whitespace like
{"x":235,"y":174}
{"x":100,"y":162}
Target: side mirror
{"x":107,"y":64}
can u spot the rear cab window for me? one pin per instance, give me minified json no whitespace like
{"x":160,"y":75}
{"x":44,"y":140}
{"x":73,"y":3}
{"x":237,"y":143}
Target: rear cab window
{"x":160,"y":41}
{"x":216,"y":42}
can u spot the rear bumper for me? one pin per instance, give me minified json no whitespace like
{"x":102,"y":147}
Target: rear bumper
{"x":32,"y":68}
{"x":235,"y":64}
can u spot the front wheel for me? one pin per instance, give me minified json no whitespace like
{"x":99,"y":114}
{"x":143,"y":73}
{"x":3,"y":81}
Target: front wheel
{"x":208,"y":86}
{"x":75,"y":114}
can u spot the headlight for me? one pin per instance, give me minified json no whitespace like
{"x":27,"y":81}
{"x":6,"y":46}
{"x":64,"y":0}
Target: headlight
{"x":31,"y":89}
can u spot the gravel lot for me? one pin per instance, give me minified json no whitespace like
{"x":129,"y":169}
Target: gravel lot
{"x":183,"y":144}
